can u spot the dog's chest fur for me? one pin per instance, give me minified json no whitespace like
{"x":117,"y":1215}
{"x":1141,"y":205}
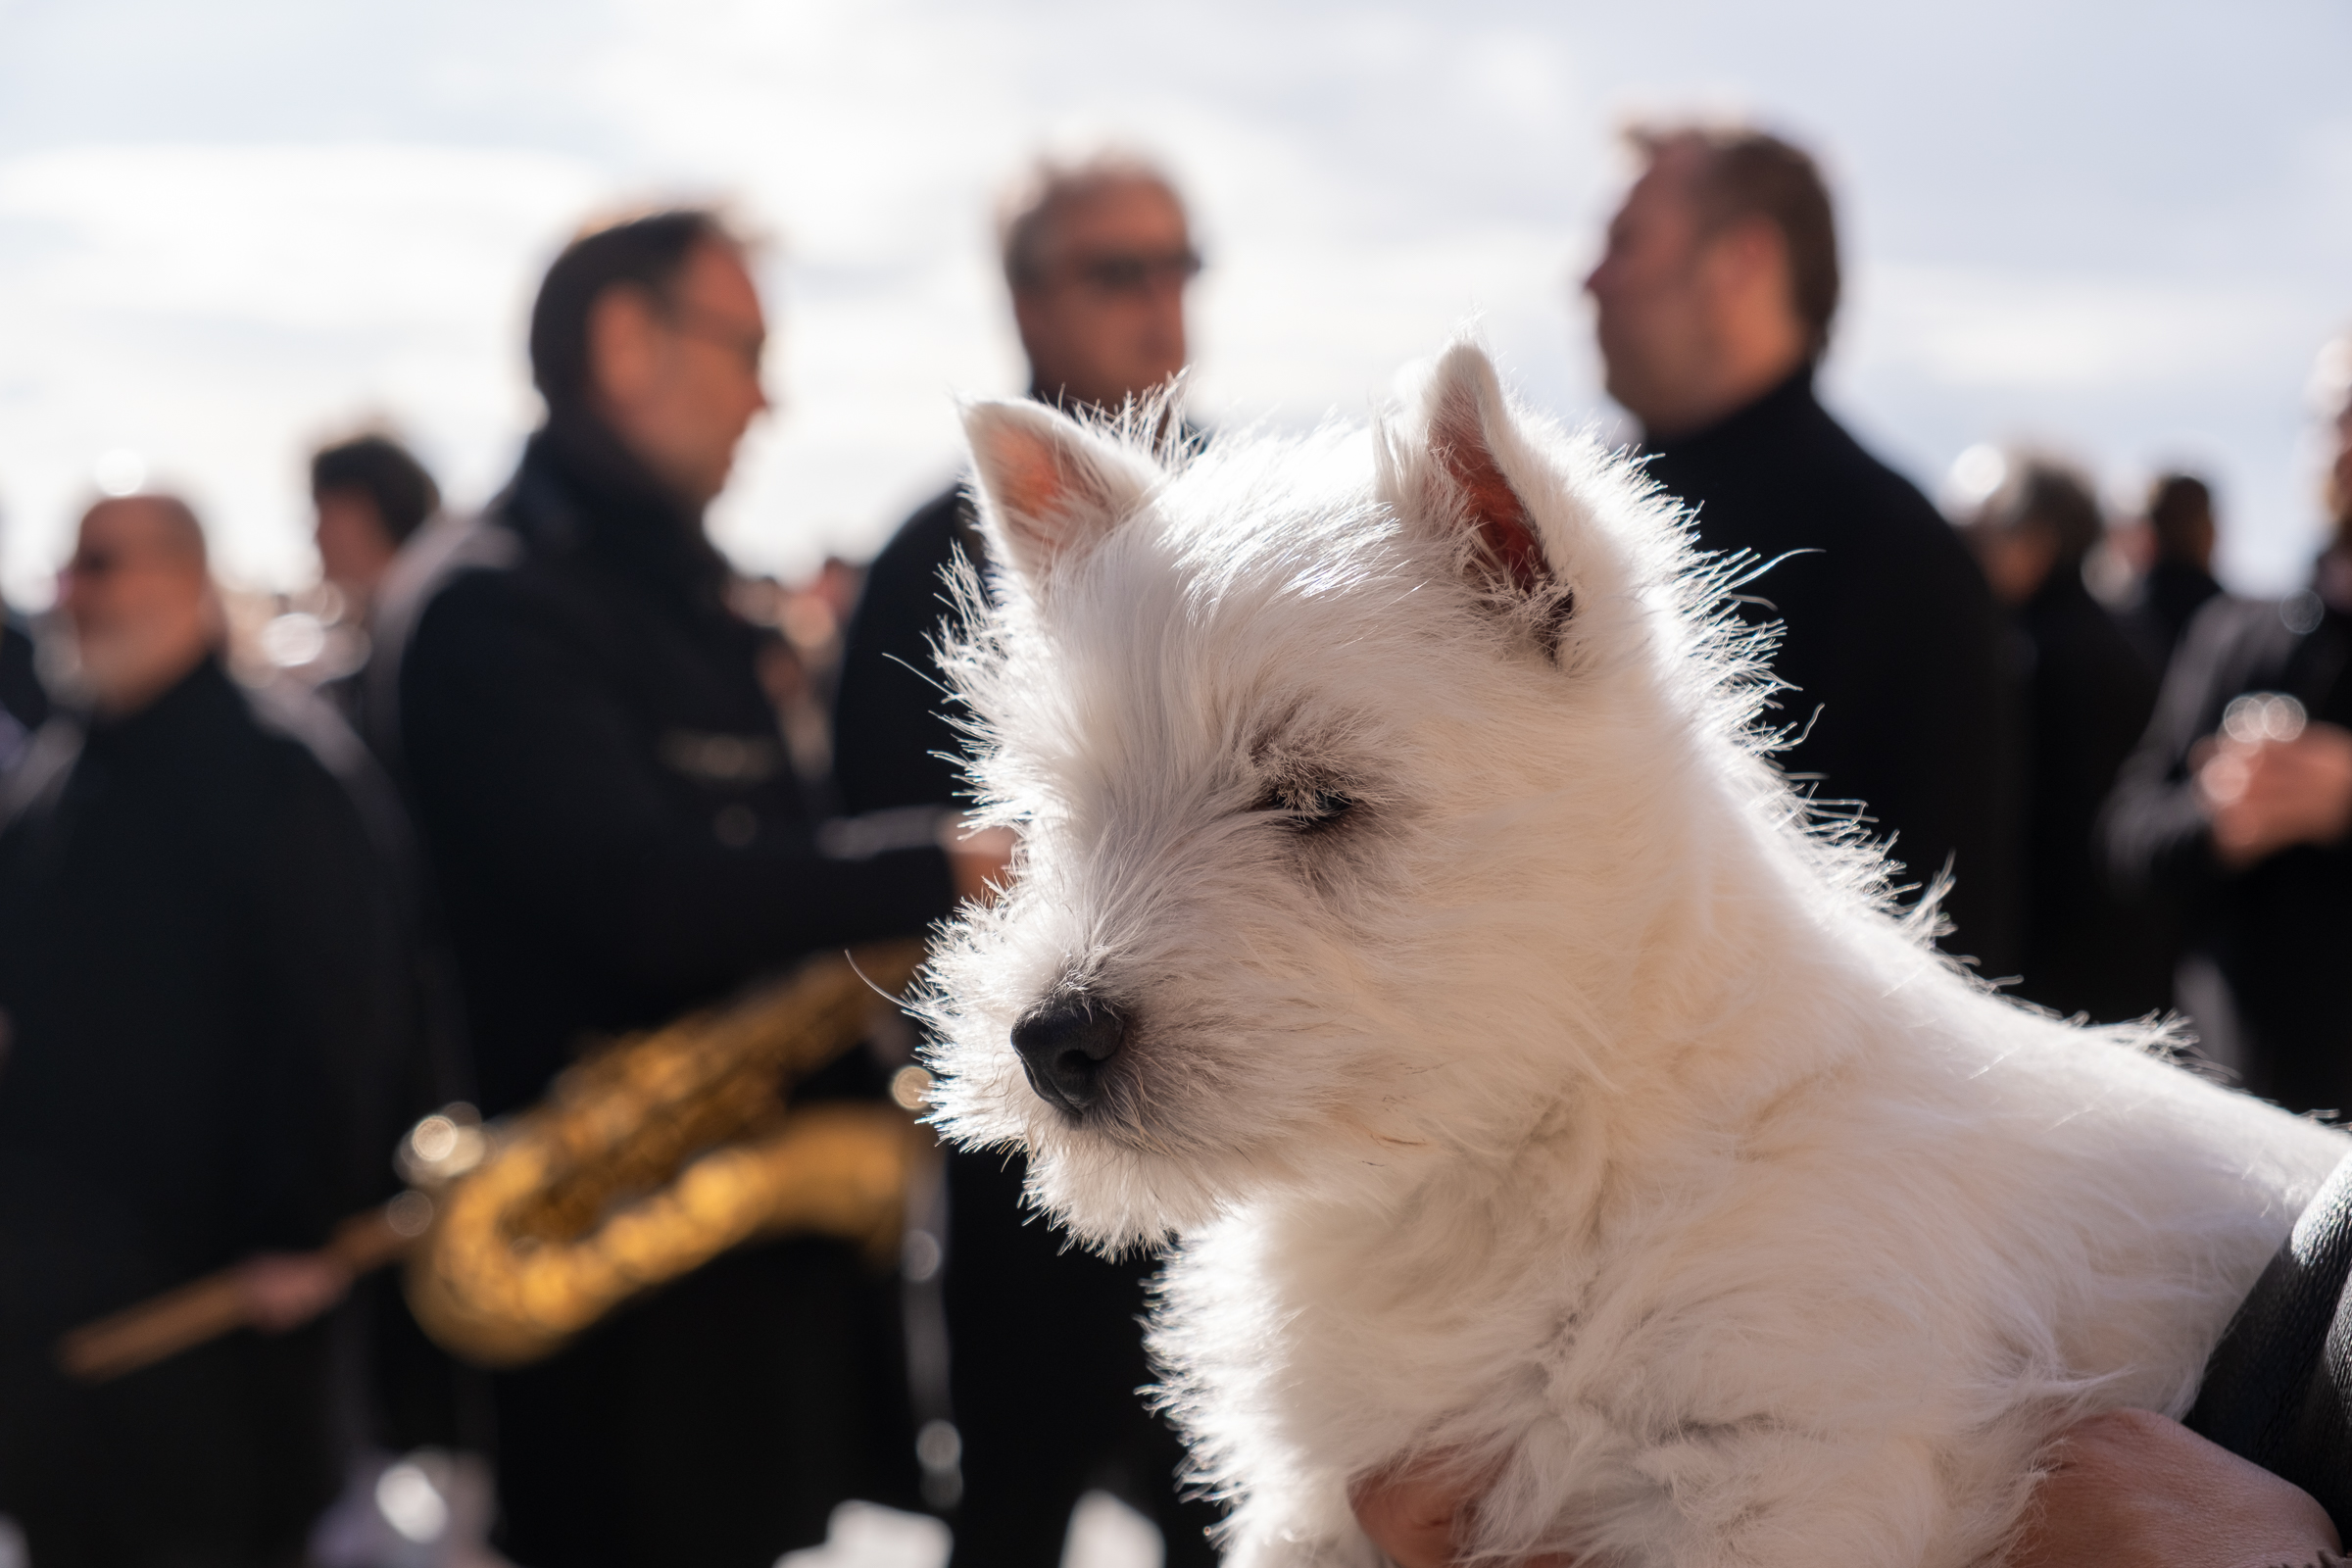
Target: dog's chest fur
{"x":1624,"y":1326}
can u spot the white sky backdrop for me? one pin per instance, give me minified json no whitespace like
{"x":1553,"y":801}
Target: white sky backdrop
{"x":230,"y":228}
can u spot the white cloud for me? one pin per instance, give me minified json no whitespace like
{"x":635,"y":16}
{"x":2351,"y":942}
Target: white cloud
{"x":2131,"y":255}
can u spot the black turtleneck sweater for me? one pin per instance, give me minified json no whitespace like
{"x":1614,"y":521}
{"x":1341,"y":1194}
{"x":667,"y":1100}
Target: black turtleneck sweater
{"x":2280,"y":931}
{"x":1891,"y":644}
{"x":619,"y":838}
{"x":203,"y":987}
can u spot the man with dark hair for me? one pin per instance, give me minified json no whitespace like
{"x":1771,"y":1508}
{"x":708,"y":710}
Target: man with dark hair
{"x":2180,"y":579}
{"x":1095,"y":255}
{"x":203,"y":1020}
{"x":2085,"y":695}
{"x":1714,"y":298}
{"x":568,"y":679}
{"x":370,"y":497}
{"x":2236,"y":809}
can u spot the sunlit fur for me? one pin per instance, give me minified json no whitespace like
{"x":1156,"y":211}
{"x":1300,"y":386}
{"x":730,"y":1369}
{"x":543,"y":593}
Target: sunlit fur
{"x":1573,"y":1110}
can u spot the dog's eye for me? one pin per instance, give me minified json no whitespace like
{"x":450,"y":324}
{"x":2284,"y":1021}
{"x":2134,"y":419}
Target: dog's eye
{"x":1307,"y":803}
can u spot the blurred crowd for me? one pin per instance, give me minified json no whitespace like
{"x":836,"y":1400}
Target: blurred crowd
{"x":280,"y":876}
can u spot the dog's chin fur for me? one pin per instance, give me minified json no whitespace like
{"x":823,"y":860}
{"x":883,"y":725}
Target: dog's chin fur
{"x":1527,"y":1077}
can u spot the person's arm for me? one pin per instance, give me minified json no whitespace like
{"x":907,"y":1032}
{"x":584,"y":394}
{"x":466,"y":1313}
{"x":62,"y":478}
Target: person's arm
{"x":2132,"y":1489}
{"x":527,"y":769}
{"x":2154,"y":830}
{"x":2125,"y":1490}
{"x":2274,"y":794}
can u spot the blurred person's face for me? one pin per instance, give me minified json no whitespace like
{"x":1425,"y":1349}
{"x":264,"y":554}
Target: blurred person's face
{"x":2016,"y":561}
{"x":139,"y":603}
{"x":2195,"y":542}
{"x":355,"y":548}
{"x":1692,"y":322}
{"x":1103,"y":321}
{"x":678,"y":380}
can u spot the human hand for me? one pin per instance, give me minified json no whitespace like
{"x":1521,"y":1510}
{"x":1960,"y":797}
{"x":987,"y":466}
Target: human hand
{"x":283,"y":1291}
{"x":2133,"y":1490}
{"x":979,"y":859}
{"x":1418,"y":1514}
{"x":2266,"y":795}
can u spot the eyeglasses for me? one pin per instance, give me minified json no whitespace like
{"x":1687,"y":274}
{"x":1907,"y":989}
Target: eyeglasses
{"x":1133,"y":273}
{"x":690,"y":320}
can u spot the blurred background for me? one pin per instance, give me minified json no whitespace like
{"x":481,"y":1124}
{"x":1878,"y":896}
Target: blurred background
{"x":230,"y":230}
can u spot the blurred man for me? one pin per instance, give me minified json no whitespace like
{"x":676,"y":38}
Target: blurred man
{"x":2180,"y":579}
{"x":562,"y":697}
{"x":1714,"y":302}
{"x":1097,"y":256}
{"x":2236,"y":805}
{"x":201,"y":1010}
{"x":2084,"y":693}
{"x":371,"y":496}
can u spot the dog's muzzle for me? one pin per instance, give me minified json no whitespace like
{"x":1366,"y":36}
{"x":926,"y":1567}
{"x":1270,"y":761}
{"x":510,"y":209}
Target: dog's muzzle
{"x":1064,"y":1043}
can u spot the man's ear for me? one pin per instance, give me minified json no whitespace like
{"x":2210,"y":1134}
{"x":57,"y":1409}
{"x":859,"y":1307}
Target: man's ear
{"x":1051,"y":487}
{"x":1470,"y":436}
{"x":620,"y":343}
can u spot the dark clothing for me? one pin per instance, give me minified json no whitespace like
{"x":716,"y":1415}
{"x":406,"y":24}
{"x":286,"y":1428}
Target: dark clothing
{"x":2168,"y":599}
{"x":1893,"y":644}
{"x":2280,"y":931}
{"x":24,"y":706}
{"x":618,"y":839}
{"x":1019,"y":1295}
{"x":2087,"y":697}
{"x":2278,"y":1388}
{"x":895,"y":744}
{"x":205,"y":999}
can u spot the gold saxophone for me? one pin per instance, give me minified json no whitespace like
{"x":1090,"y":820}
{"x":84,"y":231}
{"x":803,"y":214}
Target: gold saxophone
{"x":646,"y":1160}
{"x":653,"y":1157}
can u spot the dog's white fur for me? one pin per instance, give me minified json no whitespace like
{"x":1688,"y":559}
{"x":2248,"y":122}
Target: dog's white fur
{"x":1571,"y":1111}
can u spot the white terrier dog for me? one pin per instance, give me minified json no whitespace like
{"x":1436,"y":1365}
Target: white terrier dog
{"x":1412,"y":925}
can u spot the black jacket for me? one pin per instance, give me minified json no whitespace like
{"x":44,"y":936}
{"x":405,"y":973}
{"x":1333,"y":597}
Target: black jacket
{"x":2168,"y":599}
{"x":24,"y":706}
{"x":2280,"y":930}
{"x":1893,"y":643}
{"x":201,"y":970}
{"x":599,"y":777}
{"x":619,"y":838}
{"x":2087,"y":697}
{"x":895,"y":742}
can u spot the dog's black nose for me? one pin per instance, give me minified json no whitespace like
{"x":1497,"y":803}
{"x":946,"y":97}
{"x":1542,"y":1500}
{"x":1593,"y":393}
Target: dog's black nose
{"x":1064,"y":1043}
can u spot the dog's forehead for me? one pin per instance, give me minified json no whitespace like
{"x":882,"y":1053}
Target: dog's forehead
{"x":1206,"y":614}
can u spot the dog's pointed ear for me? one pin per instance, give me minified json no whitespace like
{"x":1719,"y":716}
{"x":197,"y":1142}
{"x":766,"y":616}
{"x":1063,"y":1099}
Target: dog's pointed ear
{"x":1471,"y":438}
{"x":1051,"y":487}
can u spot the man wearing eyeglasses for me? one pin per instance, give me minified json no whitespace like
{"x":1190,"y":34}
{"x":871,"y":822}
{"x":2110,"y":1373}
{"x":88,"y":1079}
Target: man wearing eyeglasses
{"x":562,"y":697}
{"x":1097,"y":256}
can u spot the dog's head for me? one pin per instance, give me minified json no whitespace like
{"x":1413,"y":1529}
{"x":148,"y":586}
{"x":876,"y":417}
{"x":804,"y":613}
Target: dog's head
{"x":1344,"y":767}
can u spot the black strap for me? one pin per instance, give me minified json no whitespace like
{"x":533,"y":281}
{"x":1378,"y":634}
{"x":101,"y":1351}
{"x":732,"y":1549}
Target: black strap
{"x":2278,"y":1388}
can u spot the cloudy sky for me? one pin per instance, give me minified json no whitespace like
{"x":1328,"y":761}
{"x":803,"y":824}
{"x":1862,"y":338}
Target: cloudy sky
{"x":229,"y":229}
